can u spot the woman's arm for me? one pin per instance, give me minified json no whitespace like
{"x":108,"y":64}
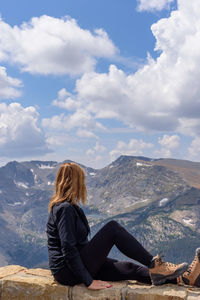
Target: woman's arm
{"x":67,"y":233}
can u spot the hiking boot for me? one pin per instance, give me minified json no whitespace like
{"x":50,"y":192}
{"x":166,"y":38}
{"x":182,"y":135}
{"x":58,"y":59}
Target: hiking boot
{"x":192,"y":275}
{"x":161,"y":271}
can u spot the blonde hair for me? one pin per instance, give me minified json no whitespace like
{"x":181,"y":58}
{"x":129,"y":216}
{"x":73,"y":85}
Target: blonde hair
{"x":69,"y":185}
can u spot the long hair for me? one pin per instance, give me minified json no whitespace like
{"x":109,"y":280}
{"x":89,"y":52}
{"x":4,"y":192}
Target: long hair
{"x":70,"y":185}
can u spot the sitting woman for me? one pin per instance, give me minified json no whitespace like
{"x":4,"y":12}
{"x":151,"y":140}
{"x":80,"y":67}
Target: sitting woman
{"x":73,"y":259}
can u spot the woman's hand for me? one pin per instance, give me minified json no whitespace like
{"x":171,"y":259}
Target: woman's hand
{"x":99,"y":285}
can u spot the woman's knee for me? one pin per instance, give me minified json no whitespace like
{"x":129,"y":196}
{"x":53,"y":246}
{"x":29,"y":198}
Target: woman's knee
{"x":112,"y":224}
{"x":112,"y":228}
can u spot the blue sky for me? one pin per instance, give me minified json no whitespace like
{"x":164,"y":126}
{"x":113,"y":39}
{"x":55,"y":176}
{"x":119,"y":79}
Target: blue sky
{"x":91,"y":80}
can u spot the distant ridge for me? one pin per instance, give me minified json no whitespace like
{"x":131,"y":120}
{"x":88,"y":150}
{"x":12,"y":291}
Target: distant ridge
{"x":129,"y":157}
{"x":188,"y":170}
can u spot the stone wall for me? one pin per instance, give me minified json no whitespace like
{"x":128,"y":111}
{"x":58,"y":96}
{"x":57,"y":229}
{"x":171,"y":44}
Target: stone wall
{"x":19,"y":283}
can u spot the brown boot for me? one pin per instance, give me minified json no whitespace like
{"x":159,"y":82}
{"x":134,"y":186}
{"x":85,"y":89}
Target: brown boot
{"x":161,"y":271}
{"x":192,"y":276}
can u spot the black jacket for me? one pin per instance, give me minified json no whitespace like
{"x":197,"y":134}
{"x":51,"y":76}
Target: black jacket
{"x":67,"y":232}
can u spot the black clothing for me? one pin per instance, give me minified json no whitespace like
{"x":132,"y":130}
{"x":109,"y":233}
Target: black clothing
{"x":111,"y":270}
{"x":73,"y":259}
{"x":94,"y":256}
{"x":67,"y":231}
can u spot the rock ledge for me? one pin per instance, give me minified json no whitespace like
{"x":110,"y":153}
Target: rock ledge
{"x":19,"y":283}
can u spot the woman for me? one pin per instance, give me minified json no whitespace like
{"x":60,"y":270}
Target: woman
{"x":73,"y":259}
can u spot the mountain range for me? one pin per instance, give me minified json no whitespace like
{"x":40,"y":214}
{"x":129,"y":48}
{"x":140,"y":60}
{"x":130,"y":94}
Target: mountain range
{"x":157,"y":200}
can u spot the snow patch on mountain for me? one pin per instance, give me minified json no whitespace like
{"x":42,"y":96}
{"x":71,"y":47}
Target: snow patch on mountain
{"x":138,"y":164}
{"x":21,"y":184}
{"x":92,"y":174}
{"x":163,"y":201}
{"x":189,"y":222}
{"x":50,"y":183}
{"x":45,"y":166}
{"x":35,"y":176}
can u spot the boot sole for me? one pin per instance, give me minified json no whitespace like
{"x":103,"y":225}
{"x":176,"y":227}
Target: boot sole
{"x":158,"y":279}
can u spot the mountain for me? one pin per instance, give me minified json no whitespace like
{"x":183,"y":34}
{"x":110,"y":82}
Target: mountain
{"x":189,"y":171}
{"x":158,"y":201}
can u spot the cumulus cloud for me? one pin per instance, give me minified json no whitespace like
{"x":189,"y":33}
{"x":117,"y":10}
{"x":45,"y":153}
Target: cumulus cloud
{"x":164,"y":94}
{"x":75,"y":117}
{"x":168,"y":145}
{"x":20,"y":134}
{"x":79,"y":119}
{"x":133,"y":99}
{"x":134,"y":147}
{"x":48,"y":45}
{"x":194,"y":149}
{"x":9,"y":86}
{"x":85,"y":133}
{"x":65,"y":100}
{"x":154,"y":5}
{"x":57,"y":140}
{"x":95,"y":153}
{"x":98,"y":148}
{"x":171,"y":142}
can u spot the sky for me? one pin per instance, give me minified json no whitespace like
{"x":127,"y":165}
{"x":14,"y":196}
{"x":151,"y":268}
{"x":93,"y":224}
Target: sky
{"x":91,"y":80}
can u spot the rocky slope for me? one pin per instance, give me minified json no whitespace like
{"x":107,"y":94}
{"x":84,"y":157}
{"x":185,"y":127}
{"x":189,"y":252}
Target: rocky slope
{"x":153,"y":199}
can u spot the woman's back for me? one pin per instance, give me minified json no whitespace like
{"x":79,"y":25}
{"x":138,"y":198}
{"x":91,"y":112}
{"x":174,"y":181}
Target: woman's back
{"x":67,"y":231}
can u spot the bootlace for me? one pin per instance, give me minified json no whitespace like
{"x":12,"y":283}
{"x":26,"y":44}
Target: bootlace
{"x":160,"y":261}
{"x":168,"y":264}
{"x":191,"y":266}
{"x":159,"y":258}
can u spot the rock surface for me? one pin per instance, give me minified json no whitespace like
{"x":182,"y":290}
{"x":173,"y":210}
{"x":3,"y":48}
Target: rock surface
{"x":19,"y":283}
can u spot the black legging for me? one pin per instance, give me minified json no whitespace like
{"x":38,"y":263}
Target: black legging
{"x":94,"y":256}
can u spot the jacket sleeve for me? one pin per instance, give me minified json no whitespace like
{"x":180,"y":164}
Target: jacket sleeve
{"x":67,"y":234}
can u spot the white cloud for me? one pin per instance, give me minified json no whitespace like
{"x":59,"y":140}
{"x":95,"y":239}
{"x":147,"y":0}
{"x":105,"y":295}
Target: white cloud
{"x":194,"y":149}
{"x":151,"y":5}
{"x":99,"y":148}
{"x":131,"y":99}
{"x":63,"y":93}
{"x":20,"y":134}
{"x":168,"y":145}
{"x":48,"y":45}
{"x":134,"y":147}
{"x":9,"y":85}
{"x":90,"y":152}
{"x":171,"y":142}
{"x":65,"y":100}
{"x":96,"y":152}
{"x":85,"y":133}
{"x":79,"y":119}
{"x":57,"y":140}
{"x":164,"y":94}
